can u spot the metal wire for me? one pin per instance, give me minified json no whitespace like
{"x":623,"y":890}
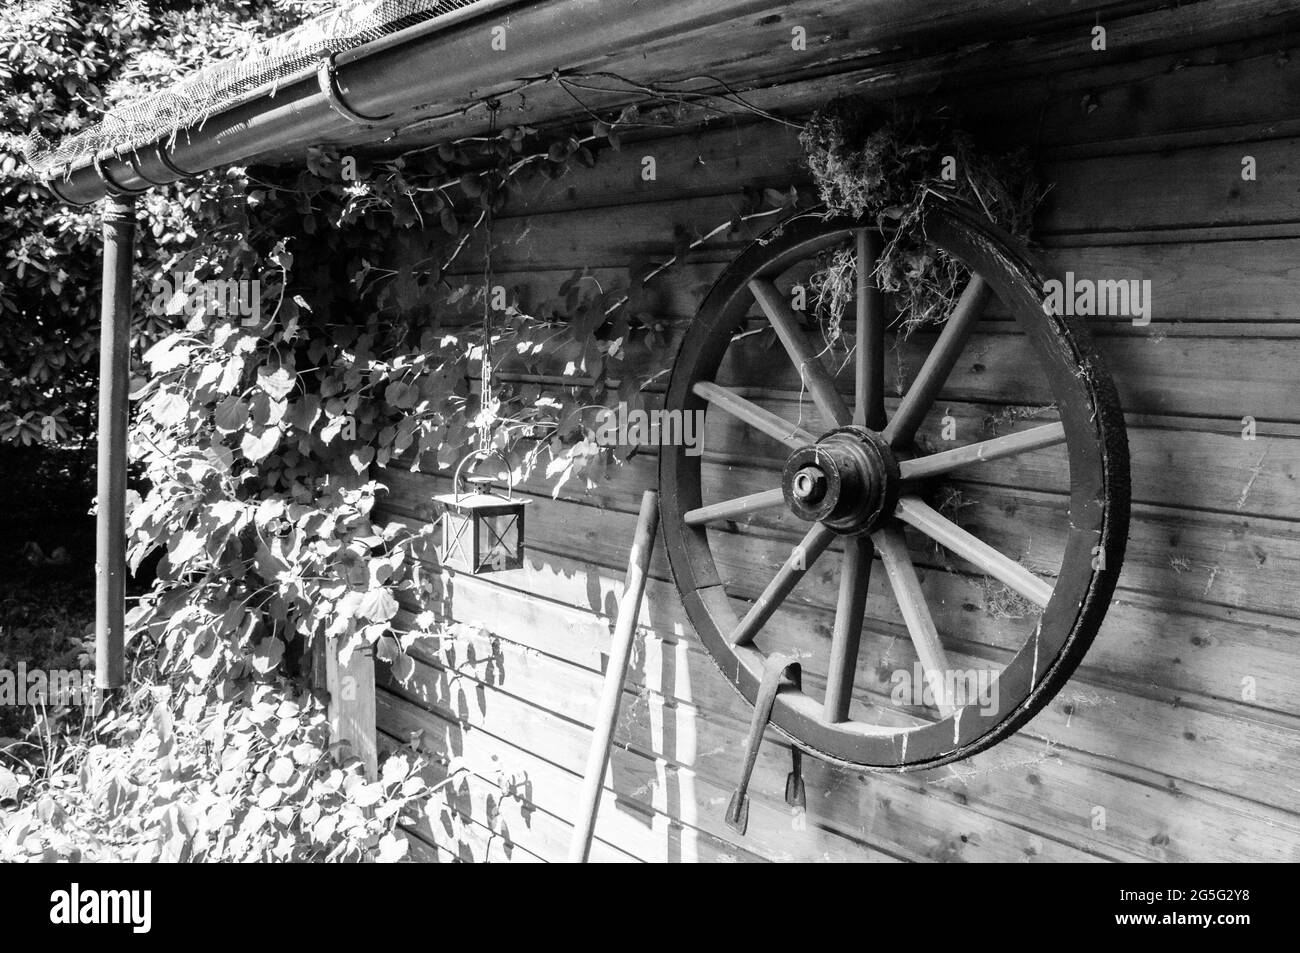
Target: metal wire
{"x":485,"y":371}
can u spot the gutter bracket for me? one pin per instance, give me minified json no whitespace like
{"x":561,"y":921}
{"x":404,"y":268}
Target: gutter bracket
{"x":50,"y":183}
{"x":327,"y":77}
{"x":132,"y":158}
{"x":110,"y":184}
{"x":165,"y":161}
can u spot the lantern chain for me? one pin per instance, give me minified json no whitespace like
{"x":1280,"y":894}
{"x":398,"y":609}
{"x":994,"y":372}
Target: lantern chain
{"x":486,"y":405}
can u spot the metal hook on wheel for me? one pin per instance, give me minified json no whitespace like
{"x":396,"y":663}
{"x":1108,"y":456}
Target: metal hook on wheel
{"x":780,"y":671}
{"x":795,"y":793}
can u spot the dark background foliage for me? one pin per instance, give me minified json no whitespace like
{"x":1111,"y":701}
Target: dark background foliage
{"x":63,"y":64}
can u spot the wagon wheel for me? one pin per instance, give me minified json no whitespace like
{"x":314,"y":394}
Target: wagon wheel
{"x":859,"y":484}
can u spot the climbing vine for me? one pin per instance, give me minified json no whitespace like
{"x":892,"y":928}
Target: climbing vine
{"x":260,"y":440}
{"x":262,"y":433}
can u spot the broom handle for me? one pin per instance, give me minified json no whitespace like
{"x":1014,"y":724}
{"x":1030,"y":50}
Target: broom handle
{"x":620,"y":651}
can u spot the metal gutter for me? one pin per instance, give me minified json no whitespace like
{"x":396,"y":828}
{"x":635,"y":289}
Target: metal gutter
{"x":428,"y":69}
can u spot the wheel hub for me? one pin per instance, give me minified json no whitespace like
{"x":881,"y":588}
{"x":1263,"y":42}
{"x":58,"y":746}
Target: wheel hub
{"x":848,"y":480}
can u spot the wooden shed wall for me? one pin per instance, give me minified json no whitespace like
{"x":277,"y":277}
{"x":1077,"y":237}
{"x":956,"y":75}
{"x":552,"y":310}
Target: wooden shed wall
{"x":1154,"y":729}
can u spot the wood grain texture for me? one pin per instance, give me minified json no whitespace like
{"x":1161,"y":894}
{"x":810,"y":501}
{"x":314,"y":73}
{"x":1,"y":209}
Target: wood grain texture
{"x":1182,"y":721}
{"x":809,"y":628}
{"x":350,"y":687}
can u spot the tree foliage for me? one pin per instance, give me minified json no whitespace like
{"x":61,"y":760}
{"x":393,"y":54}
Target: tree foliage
{"x":63,"y":64}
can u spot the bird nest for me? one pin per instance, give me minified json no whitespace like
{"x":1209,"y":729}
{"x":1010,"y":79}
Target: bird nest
{"x":886,"y":166}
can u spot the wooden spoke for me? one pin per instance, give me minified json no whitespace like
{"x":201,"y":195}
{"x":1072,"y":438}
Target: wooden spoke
{"x":799,"y":562}
{"x":947,"y":533}
{"x":855,"y":573}
{"x":775,"y":427}
{"x":1035,"y":439}
{"x":811,"y":371}
{"x":939,"y":363}
{"x":869,"y":364}
{"x":731,"y":509}
{"x":916,"y":612}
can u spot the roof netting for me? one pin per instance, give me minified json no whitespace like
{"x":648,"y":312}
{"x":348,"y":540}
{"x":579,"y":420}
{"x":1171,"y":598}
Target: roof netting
{"x":263,"y":67}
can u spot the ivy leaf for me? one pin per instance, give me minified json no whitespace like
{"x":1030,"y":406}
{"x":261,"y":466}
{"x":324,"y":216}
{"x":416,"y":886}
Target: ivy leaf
{"x":231,"y":373}
{"x":220,"y":457}
{"x":257,"y":446}
{"x":266,"y":411}
{"x":775,"y":198}
{"x":397,"y":394}
{"x":281,"y":771}
{"x":470,"y":185}
{"x":162,"y":722}
{"x":395,"y":769}
{"x":188,"y":545}
{"x":406,"y":287}
{"x":323,"y":830}
{"x":278,"y":383}
{"x":361,"y":457}
{"x":377,"y":605}
{"x":167,"y":355}
{"x":392,"y":848}
{"x":331,"y":384}
{"x":231,"y":415}
{"x":204,"y":653}
{"x":403,"y":668}
{"x":267,"y":655}
{"x":169,"y":409}
{"x":9,"y":785}
{"x":304,"y":413}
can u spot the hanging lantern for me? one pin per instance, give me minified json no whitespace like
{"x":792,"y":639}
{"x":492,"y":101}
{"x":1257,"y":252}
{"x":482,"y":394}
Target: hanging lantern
{"x":482,"y":531}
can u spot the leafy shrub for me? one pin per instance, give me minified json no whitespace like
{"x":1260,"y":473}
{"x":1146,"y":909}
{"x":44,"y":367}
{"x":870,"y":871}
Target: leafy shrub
{"x":248,"y":777}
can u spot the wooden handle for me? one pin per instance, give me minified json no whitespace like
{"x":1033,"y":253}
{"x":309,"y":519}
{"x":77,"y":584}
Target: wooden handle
{"x":620,"y":651}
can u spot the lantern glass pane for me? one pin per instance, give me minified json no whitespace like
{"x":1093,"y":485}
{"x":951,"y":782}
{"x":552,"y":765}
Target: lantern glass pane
{"x":458,"y":541}
{"x":499,"y":540}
